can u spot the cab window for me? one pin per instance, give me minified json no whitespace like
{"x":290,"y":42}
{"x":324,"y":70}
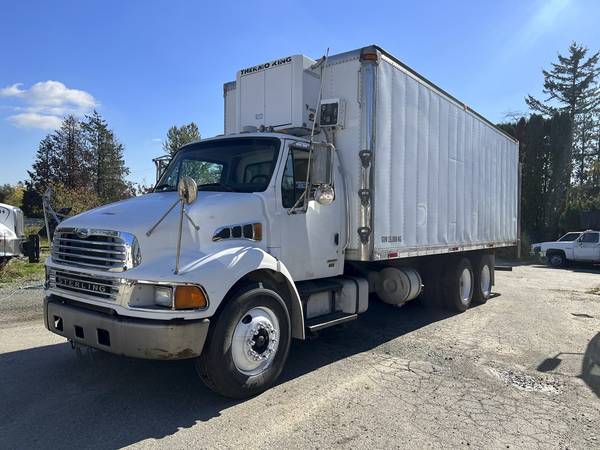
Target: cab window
{"x":294,"y":177}
{"x":589,"y":238}
{"x":569,"y":237}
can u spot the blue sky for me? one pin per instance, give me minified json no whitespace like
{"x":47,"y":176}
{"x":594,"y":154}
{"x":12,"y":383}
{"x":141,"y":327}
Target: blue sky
{"x":146,"y":65}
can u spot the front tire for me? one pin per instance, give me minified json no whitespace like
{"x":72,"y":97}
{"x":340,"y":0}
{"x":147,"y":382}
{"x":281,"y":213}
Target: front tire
{"x":248,"y":345}
{"x":556,"y":259}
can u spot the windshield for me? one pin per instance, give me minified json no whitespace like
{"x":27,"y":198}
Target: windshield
{"x":230,"y":165}
{"x":569,"y":237}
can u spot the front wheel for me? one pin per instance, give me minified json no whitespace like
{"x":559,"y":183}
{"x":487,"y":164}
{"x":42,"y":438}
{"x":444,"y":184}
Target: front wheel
{"x":248,"y":344}
{"x":556,"y":259}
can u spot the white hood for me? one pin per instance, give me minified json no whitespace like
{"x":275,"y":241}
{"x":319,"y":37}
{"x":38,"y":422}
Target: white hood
{"x":137,"y":215}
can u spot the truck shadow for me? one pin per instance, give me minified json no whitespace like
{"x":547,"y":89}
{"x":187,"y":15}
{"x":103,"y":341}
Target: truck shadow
{"x":53,"y":398}
{"x":590,"y":364}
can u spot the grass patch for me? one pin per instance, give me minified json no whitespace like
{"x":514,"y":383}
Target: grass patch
{"x":19,"y":270}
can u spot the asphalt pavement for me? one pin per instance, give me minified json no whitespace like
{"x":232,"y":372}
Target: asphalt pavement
{"x":521,"y":371}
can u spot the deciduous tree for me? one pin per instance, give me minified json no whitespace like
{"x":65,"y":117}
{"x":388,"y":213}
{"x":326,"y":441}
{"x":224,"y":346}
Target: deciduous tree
{"x":177,"y":137}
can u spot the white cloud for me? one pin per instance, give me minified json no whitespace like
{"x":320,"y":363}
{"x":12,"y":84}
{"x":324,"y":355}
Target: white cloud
{"x":35,"y":120}
{"x":46,"y":103}
{"x":54,"y":93}
{"x":12,"y":90}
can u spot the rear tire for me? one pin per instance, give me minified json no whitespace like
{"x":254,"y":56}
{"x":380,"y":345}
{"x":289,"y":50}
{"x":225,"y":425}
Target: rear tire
{"x":458,"y":286}
{"x":484,"y":274}
{"x":247,"y":345}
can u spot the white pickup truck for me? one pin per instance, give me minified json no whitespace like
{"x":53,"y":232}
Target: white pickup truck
{"x":574,"y":246}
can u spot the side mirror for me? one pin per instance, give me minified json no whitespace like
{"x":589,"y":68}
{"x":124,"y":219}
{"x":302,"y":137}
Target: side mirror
{"x":188,"y":190}
{"x":321,"y":165}
{"x":324,"y":194}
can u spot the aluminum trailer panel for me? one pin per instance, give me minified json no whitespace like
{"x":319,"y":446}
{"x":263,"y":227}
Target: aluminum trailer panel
{"x":443,"y":177}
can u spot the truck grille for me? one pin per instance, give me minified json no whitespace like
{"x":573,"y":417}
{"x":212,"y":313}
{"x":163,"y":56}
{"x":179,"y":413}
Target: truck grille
{"x":79,"y":283}
{"x":97,"y":249}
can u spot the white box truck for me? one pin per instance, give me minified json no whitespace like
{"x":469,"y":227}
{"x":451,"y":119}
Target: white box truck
{"x":13,"y":242}
{"x":334,"y":179}
{"x":12,"y":232}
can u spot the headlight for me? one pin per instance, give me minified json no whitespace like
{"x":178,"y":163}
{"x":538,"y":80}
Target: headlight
{"x":163,"y":296}
{"x":147,"y":294}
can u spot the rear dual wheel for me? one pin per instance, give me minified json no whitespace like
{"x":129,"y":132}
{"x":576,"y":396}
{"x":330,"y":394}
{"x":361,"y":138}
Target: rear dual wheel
{"x":459,"y":282}
{"x":484,"y":272}
{"x":469,"y":281}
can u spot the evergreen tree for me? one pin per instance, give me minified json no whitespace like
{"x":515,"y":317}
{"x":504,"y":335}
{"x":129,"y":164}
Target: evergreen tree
{"x":560,"y":170}
{"x":534,"y":178}
{"x":177,"y":137}
{"x":31,"y":204}
{"x":584,"y":145}
{"x":44,"y":168}
{"x":80,"y":159}
{"x":43,"y":172}
{"x":75,"y":161}
{"x":571,"y":83}
{"x":572,"y":87}
{"x":545,"y":157}
{"x":107,"y":156}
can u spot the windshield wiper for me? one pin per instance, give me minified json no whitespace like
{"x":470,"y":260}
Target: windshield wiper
{"x":217,"y":185}
{"x":164,"y":188}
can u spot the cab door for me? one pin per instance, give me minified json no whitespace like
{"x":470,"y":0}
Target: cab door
{"x":312,"y":236}
{"x":587,"y":247}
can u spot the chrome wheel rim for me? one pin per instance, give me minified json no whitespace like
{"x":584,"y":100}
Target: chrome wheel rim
{"x":486,"y":281}
{"x":255,"y":341}
{"x":465,"y":286}
{"x":556,"y":260}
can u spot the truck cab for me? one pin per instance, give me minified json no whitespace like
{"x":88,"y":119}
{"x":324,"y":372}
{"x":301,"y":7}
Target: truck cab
{"x":113,"y":281}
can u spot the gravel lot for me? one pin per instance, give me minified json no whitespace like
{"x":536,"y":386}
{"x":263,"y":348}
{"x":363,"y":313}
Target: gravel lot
{"x":521,"y":371}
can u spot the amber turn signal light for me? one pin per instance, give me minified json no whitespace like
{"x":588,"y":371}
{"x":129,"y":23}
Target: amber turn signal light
{"x":190,"y":297}
{"x":257,"y":229}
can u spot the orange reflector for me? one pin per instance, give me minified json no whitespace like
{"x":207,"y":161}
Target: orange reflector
{"x":257,"y":231}
{"x":369,"y":57}
{"x":189,"y":297}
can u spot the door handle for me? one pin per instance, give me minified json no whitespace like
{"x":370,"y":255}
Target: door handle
{"x":336,"y":238}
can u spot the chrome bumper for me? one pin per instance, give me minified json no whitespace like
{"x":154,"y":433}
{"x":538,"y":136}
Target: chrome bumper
{"x":147,"y":339}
